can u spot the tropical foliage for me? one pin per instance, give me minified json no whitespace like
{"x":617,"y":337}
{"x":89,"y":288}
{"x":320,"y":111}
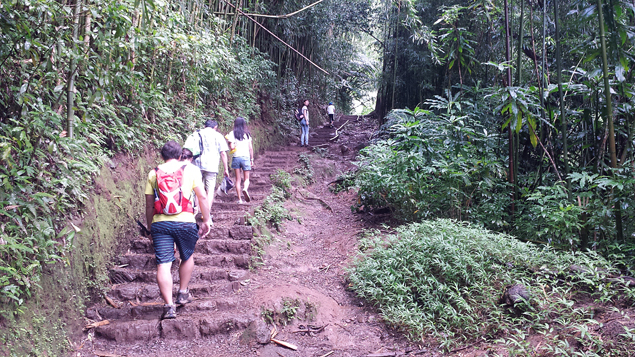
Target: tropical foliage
{"x":485,"y":142}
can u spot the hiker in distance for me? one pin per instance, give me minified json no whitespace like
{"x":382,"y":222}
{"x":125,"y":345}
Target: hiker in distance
{"x":213,"y":150}
{"x":243,"y":159}
{"x":170,"y":216}
{"x":304,"y":123}
{"x":330,"y":110}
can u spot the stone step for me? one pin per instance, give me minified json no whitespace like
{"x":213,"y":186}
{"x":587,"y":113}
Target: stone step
{"x":200,"y":275}
{"x":232,"y":205}
{"x":182,"y":328}
{"x":149,"y":292}
{"x":131,"y":310}
{"x":234,"y":198}
{"x":148,"y":261}
{"x":237,"y":240}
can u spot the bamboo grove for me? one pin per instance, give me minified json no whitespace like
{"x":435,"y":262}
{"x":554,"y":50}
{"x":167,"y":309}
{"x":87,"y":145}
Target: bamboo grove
{"x":545,"y":86}
{"x":82,"y":80}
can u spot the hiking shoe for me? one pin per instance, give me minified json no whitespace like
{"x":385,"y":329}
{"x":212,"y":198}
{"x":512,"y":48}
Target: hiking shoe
{"x":169,"y":312}
{"x":183,"y":298}
{"x":246,"y":195}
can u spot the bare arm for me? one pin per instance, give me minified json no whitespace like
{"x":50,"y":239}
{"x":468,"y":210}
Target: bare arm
{"x":149,"y":210}
{"x":223,"y":157}
{"x":204,"y":205}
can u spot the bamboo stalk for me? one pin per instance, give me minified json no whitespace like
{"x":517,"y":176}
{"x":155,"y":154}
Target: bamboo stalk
{"x":278,"y":38}
{"x":70,"y":98}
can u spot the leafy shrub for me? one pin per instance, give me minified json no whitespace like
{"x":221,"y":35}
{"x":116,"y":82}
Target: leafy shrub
{"x":445,"y":278}
{"x":282,"y":180}
{"x":138,"y":83}
{"x":430,"y":165}
{"x":343,"y":182}
{"x":271,"y":212}
{"x":305,"y":171}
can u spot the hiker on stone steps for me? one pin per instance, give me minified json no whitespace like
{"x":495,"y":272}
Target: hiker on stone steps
{"x":330,"y":110}
{"x":304,"y":123}
{"x":170,"y":216}
{"x":214,"y":150}
{"x":243,"y":159}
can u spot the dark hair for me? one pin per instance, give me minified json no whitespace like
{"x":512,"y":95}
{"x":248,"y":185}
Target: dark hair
{"x":171,"y":150}
{"x":211,"y":124}
{"x":186,"y":154}
{"x":240,"y":129}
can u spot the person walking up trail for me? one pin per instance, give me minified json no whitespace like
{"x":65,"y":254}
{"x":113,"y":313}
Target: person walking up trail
{"x":170,"y":216}
{"x":243,"y":159}
{"x":214,"y":149}
{"x":304,"y":139}
{"x":330,"y":110}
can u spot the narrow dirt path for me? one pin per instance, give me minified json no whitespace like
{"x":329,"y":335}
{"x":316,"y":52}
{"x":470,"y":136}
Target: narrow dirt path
{"x":300,"y":285}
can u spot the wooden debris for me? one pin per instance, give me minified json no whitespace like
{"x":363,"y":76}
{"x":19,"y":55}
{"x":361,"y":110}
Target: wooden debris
{"x":285,"y":344}
{"x":111,"y":302}
{"x":328,"y":354}
{"x":310,"y":329}
{"x":96,"y":324}
{"x":337,"y":134}
{"x":151,"y":303}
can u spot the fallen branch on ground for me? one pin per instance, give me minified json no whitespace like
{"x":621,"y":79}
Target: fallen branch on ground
{"x":111,"y":302}
{"x":96,"y":324}
{"x":310,"y":329}
{"x":285,"y":344}
{"x":337,"y":131}
{"x":310,"y":196}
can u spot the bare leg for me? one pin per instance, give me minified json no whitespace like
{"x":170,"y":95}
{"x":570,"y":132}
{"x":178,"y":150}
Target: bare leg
{"x":164,"y":279}
{"x":185,"y":273}
{"x":246,"y":185}
{"x":238,"y":190}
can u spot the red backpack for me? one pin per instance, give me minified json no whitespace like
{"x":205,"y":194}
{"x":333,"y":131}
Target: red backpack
{"x":168,"y":194}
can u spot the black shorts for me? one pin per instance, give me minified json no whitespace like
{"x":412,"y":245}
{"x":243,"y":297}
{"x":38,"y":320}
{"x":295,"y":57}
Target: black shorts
{"x":165,"y":234}
{"x":331,"y":117}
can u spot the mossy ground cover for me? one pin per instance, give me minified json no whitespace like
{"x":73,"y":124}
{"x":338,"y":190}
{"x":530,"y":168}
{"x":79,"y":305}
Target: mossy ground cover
{"x":445,"y":278}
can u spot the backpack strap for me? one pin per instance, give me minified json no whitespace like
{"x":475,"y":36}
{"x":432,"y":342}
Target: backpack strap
{"x":156,"y":183}
{"x":200,"y":142}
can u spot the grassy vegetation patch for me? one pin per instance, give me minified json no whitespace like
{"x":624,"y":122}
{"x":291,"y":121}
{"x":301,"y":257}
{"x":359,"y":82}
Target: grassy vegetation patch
{"x":270,"y":214}
{"x":446,"y":279}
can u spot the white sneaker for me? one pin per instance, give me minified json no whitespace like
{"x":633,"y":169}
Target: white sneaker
{"x":240,"y":202}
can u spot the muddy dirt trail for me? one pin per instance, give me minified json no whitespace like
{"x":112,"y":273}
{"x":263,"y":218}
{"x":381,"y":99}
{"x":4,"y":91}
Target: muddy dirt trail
{"x":300,"y":287}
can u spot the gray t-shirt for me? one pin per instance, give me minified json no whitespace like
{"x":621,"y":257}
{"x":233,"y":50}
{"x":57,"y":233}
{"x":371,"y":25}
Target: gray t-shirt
{"x":213,"y":144}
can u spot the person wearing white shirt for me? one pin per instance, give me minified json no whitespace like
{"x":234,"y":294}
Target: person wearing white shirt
{"x":214,"y":150}
{"x":243,"y":159}
{"x":304,"y":123}
{"x":330,"y":110}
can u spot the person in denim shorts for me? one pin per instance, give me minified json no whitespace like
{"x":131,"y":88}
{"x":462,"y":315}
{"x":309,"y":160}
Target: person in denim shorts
{"x":179,"y":229}
{"x":243,"y":159}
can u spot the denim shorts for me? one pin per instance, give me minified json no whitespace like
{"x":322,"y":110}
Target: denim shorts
{"x":241,"y":163}
{"x":166,"y":233}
